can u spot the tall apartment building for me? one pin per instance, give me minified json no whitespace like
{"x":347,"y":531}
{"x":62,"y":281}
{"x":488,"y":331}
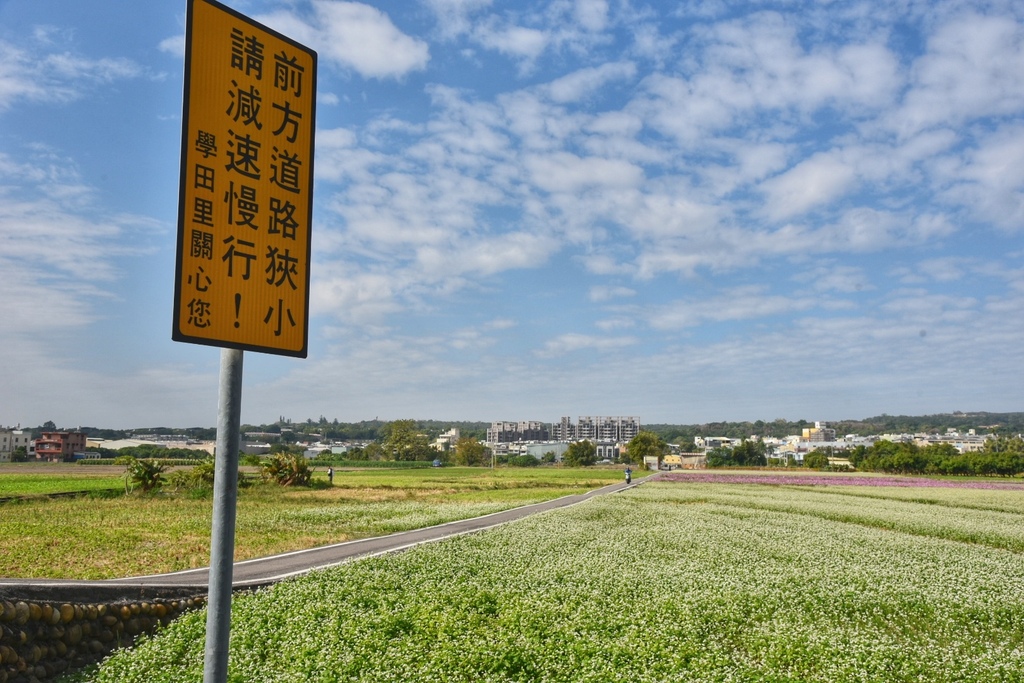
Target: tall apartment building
{"x":587,"y":428}
{"x":596,"y":429}
{"x":59,"y":446}
{"x":563,"y":430}
{"x":13,"y":439}
{"x":511,"y":432}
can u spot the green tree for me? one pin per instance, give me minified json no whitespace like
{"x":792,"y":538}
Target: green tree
{"x":719,"y":457}
{"x":816,"y":459}
{"x":1004,"y":444}
{"x":470,"y":452}
{"x":373,"y":451}
{"x":750,"y":453}
{"x":20,"y":454}
{"x":857,"y":454}
{"x":356,"y":453}
{"x":644,"y":444}
{"x":580,"y":454}
{"x":402,"y":441}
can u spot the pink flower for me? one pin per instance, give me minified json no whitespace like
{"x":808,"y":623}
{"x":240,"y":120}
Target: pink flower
{"x":838,"y":479}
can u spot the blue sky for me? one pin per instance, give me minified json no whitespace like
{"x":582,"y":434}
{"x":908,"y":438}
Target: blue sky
{"x":682,"y":211}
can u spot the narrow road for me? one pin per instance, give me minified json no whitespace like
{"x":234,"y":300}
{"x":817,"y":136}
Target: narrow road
{"x":250,"y":574}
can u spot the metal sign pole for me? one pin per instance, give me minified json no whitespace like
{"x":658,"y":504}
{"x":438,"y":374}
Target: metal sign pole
{"x":225,"y":498}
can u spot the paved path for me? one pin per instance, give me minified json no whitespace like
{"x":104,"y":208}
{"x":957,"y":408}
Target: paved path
{"x":265,"y":571}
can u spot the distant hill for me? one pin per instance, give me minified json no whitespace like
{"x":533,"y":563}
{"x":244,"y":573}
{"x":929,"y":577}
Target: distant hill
{"x":368,"y":430}
{"x":983,"y":422}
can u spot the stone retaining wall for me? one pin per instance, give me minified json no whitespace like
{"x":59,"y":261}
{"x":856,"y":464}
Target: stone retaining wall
{"x":40,"y":640}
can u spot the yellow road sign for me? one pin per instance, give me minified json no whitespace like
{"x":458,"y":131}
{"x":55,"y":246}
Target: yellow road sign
{"x":246,"y":194}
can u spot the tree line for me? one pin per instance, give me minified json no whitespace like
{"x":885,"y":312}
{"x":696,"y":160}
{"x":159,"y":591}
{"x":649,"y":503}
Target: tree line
{"x":983,"y":422}
{"x":1000,"y":456}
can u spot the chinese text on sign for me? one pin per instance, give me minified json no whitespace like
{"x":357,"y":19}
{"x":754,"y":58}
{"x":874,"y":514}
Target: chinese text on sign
{"x":246,"y":194}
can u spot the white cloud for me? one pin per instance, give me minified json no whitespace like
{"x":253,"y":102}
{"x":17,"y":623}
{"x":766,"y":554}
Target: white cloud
{"x":811,"y":183}
{"x":572,"y":342}
{"x":600,"y":293}
{"x":925,"y":309}
{"x":454,"y":17}
{"x":837,"y":278}
{"x":537,"y":124}
{"x":175,"y":46}
{"x":664,"y":212}
{"x":361,"y":298}
{"x":500,"y":324}
{"x":515,"y":41}
{"x":340,"y":157}
{"x":991,"y":179}
{"x":582,"y":83}
{"x":974,"y":66}
{"x":612,"y":324}
{"x":592,"y":14}
{"x":354,"y":36}
{"x":63,"y":257}
{"x":649,"y":43}
{"x":487,"y":255}
{"x":757,"y":66}
{"x":39,"y":76}
{"x":567,"y":173}
{"x":740,"y":303}
{"x":947,"y":269}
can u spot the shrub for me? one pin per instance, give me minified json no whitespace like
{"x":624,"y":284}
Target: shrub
{"x":196,"y":478}
{"x":287,"y":469}
{"x":146,"y":474}
{"x":523,"y":461}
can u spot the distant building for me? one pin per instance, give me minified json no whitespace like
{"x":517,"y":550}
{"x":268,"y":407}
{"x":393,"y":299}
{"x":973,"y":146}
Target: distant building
{"x":513,"y":432}
{"x":820,"y":432}
{"x":539,"y":450}
{"x":709,"y":442}
{"x":13,"y":439}
{"x":588,"y":428}
{"x":607,"y":450}
{"x":59,"y":446}
{"x":447,"y":440}
{"x":118,"y":444}
{"x":685,"y":461}
{"x":970,"y":442}
{"x":563,"y":430}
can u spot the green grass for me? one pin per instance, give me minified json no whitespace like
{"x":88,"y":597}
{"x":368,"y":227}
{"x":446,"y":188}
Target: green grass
{"x":667,"y":582}
{"x":33,"y":480}
{"x":97,"y":538}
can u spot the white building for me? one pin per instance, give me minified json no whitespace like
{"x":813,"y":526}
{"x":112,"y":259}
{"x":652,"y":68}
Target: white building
{"x":709,"y":442}
{"x":13,"y":439}
{"x":447,"y":441}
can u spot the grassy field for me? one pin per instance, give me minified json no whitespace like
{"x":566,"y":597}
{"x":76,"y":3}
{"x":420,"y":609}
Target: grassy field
{"x":675,"y":581}
{"x":110,"y":537}
{"x":33,"y":479}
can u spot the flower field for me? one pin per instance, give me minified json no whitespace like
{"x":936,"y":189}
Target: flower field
{"x":670,"y":581}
